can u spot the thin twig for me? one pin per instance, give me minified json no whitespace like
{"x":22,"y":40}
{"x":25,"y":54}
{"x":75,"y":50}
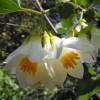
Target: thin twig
{"x":46,"y":17}
{"x":11,"y":24}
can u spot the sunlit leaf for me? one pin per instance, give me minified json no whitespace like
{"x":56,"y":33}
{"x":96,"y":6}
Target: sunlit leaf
{"x":64,"y":24}
{"x":8,"y":6}
{"x":84,"y":2}
{"x":97,"y":14}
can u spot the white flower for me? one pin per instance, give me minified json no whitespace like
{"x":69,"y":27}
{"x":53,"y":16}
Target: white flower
{"x":84,"y":48}
{"x":78,"y":28}
{"x":68,"y":60}
{"x":29,"y":63}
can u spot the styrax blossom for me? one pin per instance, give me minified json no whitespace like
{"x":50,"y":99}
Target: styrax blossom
{"x":29,"y":63}
{"x":73,"y":53}
{"x":68,"y":59}
{"x":84,"y":48}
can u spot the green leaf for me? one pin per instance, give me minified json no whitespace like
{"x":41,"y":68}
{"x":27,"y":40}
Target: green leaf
{"x":97,"y":14}
{"x":64,"y":24}
{"x":8,"y":6}
{"x":84,"y":2}
{"x":86,"y":96}
{"x":66,"y":10}
{"x":88,"y":86}
{"x":91,"y":71}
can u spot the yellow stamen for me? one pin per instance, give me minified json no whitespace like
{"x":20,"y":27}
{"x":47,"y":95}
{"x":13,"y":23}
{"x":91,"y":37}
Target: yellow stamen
{"x":69,"y":59}
{"x":27,"y":66}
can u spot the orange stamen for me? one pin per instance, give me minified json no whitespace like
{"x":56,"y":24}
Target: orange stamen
{"x":69,"y":59}
{"x":27,"y":66}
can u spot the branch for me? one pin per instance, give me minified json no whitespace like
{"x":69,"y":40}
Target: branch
{"x":46,"y":17}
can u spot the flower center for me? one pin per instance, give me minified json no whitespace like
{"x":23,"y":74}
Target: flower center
{"x":69,"y":60}
{"x":27,"y":66}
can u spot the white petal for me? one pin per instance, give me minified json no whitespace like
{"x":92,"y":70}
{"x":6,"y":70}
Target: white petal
{"x":12,"y":64}
{"x":84,"y":24}
{"x":78,"y":28}
{"x":14,"y":53}
{"x":26,"y":79}
{"x":36,"y":52}
{"x":96,"y":38}
{"x":77,"y":71}
{"x":50,"y":73}
{"x":78,"y":43}
{"x":88,"y":57}
{"x":57,"y":71}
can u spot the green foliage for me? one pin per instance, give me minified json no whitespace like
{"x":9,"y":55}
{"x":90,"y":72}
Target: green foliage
{"x":64,"y":24}
{"x":8,"y":87}
{"x":88,"y":86}
{"x":97,"y":14}
{"x":8,"y":6}
{"x":83,"y":2}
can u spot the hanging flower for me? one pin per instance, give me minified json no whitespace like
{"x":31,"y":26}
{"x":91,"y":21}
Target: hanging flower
{"x":69,"y":60}
{"x":29,"y":63}
{"x":73,"y":53}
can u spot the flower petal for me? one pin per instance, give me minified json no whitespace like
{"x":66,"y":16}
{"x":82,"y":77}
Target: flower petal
{"x":77,"y":71}
{"x":71,"y":61}
{"x":36,"y":52}
{"x":14,"y":53}
{"x":49,"y":73}
{"x":56,"y":70}
{"x":41,"y":77}
{"x":88,"y":57}
{"x":13,"y":62}
{"x":96,"y":38}
{"x":78,"y":44}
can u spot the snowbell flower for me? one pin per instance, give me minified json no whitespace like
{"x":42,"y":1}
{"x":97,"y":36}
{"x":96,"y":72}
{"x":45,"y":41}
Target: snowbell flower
{"x":29,"y":63}
{"x":73,"y":53}
{"x":68,"y":59}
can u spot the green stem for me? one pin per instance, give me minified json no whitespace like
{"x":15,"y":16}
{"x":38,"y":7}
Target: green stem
{"x":46,"y":17}
{"x":93,"y":5}
{"x":81,"y":15}
{"x":30,"y":10}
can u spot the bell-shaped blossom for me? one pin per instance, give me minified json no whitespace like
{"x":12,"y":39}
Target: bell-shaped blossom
{"x":29,"y":63}
{"x":69,"y":59}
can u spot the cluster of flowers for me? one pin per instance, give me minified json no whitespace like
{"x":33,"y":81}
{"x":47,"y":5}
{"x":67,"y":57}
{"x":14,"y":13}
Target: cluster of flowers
{"x":48,"y":66}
